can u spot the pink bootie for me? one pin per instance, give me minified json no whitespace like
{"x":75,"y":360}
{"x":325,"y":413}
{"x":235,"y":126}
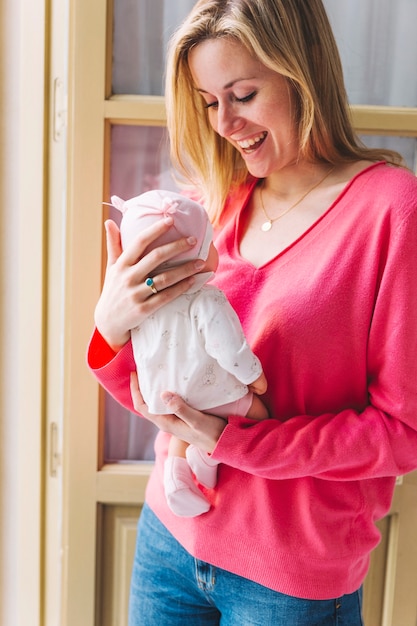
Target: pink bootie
{"x":203,"y":466}
{"x":183,"y":496}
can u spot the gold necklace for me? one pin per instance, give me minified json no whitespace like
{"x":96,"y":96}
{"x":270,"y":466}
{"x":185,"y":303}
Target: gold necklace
{"x":268,"y":224}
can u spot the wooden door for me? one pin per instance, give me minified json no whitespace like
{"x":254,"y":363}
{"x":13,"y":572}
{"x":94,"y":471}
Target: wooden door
{"x":390,"y":597}
{"x":101,"y":498}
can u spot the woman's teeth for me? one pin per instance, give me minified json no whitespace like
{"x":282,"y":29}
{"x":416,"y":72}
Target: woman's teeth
{"x":248,"y":144}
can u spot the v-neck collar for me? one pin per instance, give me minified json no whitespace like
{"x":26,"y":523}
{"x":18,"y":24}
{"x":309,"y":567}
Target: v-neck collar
{"x":239,"y":216}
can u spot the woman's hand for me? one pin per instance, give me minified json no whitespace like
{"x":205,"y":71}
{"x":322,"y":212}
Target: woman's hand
{"x":126,"y":300}
{"x":184,"y":422}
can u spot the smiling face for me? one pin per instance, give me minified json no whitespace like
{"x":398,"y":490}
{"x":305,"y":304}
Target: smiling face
{"x":248,"y":104}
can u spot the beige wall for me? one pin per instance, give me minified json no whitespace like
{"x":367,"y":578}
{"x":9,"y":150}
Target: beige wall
{"x":21,"y":285}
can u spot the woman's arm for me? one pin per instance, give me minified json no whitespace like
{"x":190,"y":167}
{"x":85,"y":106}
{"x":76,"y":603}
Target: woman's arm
{"x":112,"y":369}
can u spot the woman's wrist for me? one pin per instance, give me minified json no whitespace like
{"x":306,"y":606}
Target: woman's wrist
{"x":115,"y":341}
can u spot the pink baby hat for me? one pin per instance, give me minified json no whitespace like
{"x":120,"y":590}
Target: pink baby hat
{"x":190,"y":218}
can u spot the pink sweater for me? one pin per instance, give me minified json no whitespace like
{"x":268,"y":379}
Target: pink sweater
{"x":333,"y":320}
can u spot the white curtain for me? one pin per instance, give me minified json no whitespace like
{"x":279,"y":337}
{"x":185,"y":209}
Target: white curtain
{"x":378,"y":46}
{"x":140,"y":34}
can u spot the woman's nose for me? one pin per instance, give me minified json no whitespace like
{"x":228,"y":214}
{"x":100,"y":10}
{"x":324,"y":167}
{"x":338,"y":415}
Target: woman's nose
{"x":227,"y":121}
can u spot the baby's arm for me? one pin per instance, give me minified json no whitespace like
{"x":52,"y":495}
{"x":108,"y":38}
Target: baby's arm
{"x":225,"y":341}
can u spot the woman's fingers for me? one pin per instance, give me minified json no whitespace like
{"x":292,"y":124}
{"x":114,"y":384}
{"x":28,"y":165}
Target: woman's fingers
{"x":134,"y":251}
{"x":138,"y":266}
{"x":166,"y":423}
{"x":113,"y":244}
{"x":137,"y":397}
{"x":169,"y":285}
{"x":174,"y":275}
{"x":184,"y":422}
{"x":126,"y":298}
{"x":146,"y":264}
{"x":202,"y":429}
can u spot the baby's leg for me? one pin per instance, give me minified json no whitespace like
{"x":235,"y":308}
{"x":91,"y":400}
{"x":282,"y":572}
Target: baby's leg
{"x":177,"y":447}
{"x":203,"y":466}
{"x":183,"y":496}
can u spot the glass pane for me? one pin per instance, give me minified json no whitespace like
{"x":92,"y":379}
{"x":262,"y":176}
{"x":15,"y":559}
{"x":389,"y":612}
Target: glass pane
{"x":406,"y":146}
{"x":139,"y":161}
{"x":378,"y":46}
{"x":128,"y":438}
{"x":141,"y":30}
{"x":375,"y":73}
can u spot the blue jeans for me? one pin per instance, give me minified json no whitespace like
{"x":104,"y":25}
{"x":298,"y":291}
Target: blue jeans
{"x":169,"y":587}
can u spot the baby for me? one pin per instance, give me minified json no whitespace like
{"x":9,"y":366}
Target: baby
{"x":193,"y":346}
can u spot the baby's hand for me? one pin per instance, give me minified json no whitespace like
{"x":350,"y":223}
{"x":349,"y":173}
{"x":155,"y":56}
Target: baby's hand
{"x":259,"y":386}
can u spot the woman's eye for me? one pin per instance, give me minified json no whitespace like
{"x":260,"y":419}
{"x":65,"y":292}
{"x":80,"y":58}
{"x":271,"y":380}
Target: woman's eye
{"x":215,"y":104}
{"x":247,"y":98}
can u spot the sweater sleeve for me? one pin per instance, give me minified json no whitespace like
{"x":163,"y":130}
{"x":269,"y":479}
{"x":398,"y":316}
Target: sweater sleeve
{"x":111,"y":369}
{"x":381,"y":439}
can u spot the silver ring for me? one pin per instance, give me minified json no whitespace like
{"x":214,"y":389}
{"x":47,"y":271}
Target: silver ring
{"x":149,"y":283}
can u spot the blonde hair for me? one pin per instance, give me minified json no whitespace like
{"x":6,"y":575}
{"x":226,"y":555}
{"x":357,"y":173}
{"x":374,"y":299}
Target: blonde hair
{"x":291,"y":37}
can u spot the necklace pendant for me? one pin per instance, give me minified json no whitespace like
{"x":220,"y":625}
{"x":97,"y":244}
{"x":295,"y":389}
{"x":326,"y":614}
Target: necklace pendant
{"x":266,"y":226}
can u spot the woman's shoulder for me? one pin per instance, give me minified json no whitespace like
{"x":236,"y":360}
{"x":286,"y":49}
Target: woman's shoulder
{"x":384,"y":185}
{"x":392,"y":176}
{"x":398,"y":187}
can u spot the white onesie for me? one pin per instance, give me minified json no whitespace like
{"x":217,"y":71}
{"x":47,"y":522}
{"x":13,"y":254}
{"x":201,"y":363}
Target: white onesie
{"x":194,"y":346}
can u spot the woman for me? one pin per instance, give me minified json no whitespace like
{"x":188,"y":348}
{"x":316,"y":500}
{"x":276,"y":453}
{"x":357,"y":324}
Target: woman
{"x":317,"y":237}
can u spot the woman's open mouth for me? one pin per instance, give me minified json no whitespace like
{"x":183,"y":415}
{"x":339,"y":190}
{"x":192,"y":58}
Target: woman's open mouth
{"x":250,"y":145}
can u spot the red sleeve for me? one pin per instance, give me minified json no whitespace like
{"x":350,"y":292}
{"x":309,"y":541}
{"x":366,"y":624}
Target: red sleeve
{"x":112,"y":369}
{"x":99,"y":352}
